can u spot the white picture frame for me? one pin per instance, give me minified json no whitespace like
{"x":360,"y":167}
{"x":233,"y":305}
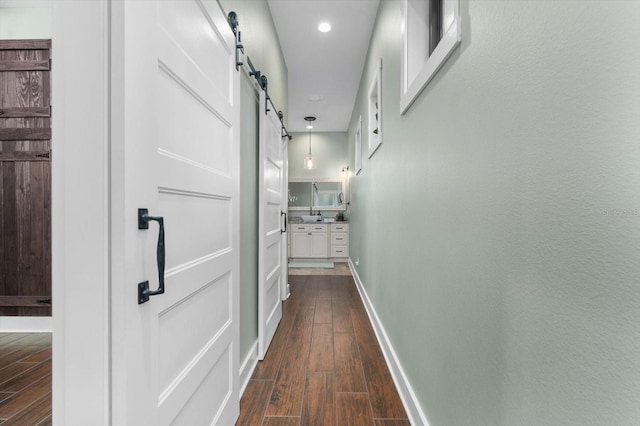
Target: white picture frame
{"x":358,"y":147}
{"x":374,"y":99}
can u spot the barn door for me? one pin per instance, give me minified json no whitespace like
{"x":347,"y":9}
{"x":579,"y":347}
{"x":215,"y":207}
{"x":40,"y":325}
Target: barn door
{"x":270,"y":225}
{"x":285,"y":290}
{"x":25,"y":178}
{"x":175,"y":356}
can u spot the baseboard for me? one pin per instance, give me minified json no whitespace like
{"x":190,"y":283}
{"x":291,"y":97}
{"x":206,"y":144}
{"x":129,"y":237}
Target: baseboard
{"x":247,"y":367}
{"x":26,"y":325}
{"x":411,"y":405}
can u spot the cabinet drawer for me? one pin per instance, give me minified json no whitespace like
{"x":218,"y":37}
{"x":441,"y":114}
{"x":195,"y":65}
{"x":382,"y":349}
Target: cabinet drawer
{"x":339,"y":228}
{"x":340,"y":251}
{"x":317,"y":228}
{"x":300,"y":228}
{"x":339,"y":239}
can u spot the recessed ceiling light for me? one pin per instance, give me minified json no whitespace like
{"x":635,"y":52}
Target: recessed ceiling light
{"x":316,"y":98}
{"x":324,"y":27}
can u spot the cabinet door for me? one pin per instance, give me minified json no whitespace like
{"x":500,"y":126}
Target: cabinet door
{"x":319,"y":247}
{"x":300,"y":245}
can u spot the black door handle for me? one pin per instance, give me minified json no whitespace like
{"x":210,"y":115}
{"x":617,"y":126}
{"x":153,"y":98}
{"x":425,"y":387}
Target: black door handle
{"x":285,"y":221}
{"x":143,"y":288}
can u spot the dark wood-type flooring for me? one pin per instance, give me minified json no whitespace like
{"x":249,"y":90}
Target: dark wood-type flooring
{"x":25,"y":379}
{"x":324,"y":365}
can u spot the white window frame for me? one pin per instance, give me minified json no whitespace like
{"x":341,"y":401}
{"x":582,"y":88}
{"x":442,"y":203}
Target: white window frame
{"x":358,"y":147}
{"x":375,"y":111}
{"x":451,"y":38}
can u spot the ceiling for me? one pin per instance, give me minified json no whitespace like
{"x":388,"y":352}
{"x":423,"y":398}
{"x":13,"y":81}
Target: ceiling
{"x":324,"y":68}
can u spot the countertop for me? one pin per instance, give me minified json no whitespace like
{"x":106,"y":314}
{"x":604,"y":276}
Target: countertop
{"x":297,"y":220}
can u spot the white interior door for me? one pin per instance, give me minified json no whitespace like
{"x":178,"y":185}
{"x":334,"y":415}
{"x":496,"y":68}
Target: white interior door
{"x":175,"y":357}
{"x":270,"y":198}
{"x":284,"y":273}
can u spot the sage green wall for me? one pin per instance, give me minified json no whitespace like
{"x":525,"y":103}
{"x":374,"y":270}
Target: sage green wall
{"x":25,"y":19}
{"x":329,"y":150}
{"x":248,"y":217}
{"x":261,"y":44}
{"x":331,"y":154}
{"x":498,"y":225}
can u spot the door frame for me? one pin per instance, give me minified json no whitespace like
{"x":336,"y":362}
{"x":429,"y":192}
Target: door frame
{"x":81,"y":217}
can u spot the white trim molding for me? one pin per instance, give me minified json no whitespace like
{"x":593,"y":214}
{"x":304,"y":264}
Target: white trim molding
{"x":408,"y":396}
{"x":26,"y":325}
{"x":248,"y":366}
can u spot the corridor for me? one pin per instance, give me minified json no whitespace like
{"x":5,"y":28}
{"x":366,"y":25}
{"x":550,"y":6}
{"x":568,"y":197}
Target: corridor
{"x":324,"y":365}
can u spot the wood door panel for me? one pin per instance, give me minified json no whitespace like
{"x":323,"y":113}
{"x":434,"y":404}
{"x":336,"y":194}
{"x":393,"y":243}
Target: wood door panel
{"x":25,"y":177}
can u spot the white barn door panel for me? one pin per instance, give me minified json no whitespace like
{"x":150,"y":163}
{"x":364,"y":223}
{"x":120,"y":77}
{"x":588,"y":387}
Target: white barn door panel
{"x":175,"y":356}
{"x":270,"y":197}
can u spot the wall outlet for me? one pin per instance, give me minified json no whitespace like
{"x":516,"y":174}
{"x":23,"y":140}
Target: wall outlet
{"x":358,"y":261}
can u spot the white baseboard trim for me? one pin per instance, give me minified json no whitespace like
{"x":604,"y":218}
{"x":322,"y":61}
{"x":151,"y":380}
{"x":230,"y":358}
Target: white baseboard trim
{"x":411,"y":405}
{"x":26,"y":325}
{"x":248,"y":365}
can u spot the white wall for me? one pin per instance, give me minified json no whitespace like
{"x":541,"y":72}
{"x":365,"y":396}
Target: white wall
{"x":498,"y":226}
{"x":81,"y":224}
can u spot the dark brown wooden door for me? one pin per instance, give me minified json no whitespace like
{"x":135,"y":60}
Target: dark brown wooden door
{"x":25,"y":178}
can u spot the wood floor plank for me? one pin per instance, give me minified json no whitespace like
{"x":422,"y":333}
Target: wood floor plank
{"x":324,"y":289}
{"x":324,"y":314}
{"x":394,"y":422}
{"x":34,"y":414}
{"x":281,"y":421}
{"x":18,"y":355}
{"x":319,"y":405}
{"x":353,"y":409}
{"x":14,"y":369}
{"x":20,"y":401}
{"x":25,"y":379}
{"x":362,"y":327}
{"x":385,"y":401}
{"x":303,"y":325}
{"x":341,"y":316}
{"x":7,"y":338}
{"x":44,"y":340}
{"x":4,"y":337}
{"x":268,"y":367}
{"x":306,"y":288}
{"x":254,"y":402}
{"x":41,"y":356}
{"x":7,"y":350}
{"x":286,"y":398}
{"x":321,"y":354}
{"x":4,"y":395}
{"x":29,"y":339}
{"x":45,"y":422}
{"x":348,"y":365}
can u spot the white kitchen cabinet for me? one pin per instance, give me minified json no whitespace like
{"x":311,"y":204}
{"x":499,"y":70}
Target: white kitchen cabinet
{"x":339,"y":246}
{"x":309,"y":241}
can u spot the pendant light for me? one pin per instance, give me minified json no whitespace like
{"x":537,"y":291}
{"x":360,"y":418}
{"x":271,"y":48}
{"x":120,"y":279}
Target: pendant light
{"x":309,"y":163}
